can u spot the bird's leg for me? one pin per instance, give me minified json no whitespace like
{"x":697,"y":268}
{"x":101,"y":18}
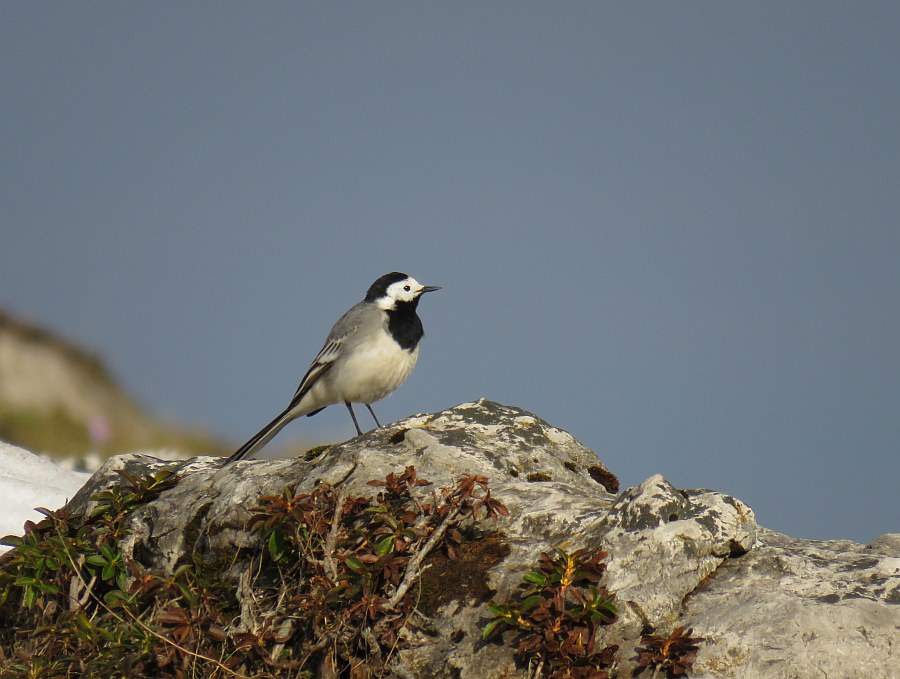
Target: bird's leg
{"x":353,"y":415}
{"x":374,"y":417}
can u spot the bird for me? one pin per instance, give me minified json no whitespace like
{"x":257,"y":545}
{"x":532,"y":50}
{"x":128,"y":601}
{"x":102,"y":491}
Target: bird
{"x":370,"y":351}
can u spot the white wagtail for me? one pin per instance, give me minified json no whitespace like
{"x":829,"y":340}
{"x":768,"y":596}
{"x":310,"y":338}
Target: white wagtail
{"x":369,"y":352}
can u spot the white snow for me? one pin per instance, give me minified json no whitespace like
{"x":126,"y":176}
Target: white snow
{"x":28,"y":481}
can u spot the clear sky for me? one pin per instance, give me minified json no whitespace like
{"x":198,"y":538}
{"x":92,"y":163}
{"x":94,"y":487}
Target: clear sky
{"x":672,"y":229}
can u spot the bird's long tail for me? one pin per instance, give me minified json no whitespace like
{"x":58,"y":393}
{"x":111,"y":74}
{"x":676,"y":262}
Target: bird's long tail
{"x":264,"y":435}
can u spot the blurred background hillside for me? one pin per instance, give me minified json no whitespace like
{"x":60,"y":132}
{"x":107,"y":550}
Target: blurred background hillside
{"x":59,"y":399}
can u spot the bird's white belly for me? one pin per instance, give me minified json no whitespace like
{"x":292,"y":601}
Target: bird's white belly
{"x":374,"y":370}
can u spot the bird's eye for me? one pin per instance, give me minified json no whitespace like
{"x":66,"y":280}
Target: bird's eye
{"x":406,"y":287}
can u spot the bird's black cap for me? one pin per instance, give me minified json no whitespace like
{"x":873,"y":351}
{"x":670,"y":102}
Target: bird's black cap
{"x":378,"y":289}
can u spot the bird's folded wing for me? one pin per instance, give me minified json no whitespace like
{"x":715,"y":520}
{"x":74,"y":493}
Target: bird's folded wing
{"x":321,"y":365}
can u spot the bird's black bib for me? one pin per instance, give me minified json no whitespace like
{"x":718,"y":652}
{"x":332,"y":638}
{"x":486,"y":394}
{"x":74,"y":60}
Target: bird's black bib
{"x":405,"y":325}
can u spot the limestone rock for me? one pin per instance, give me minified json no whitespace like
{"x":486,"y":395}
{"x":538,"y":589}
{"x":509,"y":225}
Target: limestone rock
{"x":768,"y":605}
{"x":800,"y":608}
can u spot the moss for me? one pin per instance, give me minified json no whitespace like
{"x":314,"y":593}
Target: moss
{"x":537,"y":477}
{"x":314,"y":452}
{"x":605,"y":478}
{"x":463,"y":579}
{"x":457,"y":438}
{"x":398,"y":436}
{"x":488,"y":413}
{"x":861,"y":564}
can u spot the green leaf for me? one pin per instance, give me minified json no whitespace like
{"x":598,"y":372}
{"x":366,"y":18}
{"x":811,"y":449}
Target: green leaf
{"x":489,"y":629}
{"x":607,"y":613}
{"x":498,"y":610}
{"x":276,"y":545}
{"x":385,"y":545}
{"x":353,"y":563}
{"x":116,"y":598}
{"x":335,"y":592}
{"x":602,"y":608}
{"x":11,"y":540}
{"x":189,"y":595}
{"x":182,"y":569}
{"x":536,"y":578}
{"x":161,"y":476}
{"x":96,"y":560}
{"x":530,"y":603}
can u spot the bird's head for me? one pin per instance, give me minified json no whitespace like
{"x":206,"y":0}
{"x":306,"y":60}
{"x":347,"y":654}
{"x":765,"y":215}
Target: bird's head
{"x":397,"y":288}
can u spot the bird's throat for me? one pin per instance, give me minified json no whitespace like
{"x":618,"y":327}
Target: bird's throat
{"x":404,"y":324}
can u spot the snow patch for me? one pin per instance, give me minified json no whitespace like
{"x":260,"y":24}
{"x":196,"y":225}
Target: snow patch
{"x":28,"y":481}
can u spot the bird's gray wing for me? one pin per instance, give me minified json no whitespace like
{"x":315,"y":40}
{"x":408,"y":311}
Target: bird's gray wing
{"x":345,"y":327}
{"x":321,"y":365}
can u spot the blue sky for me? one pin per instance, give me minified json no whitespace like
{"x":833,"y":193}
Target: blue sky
{"x":671,"y":229}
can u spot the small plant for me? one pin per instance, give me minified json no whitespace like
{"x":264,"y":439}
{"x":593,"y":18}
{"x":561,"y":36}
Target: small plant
{"x":115,"y":503}
{"x":675,"y":655}
{"x":325,"y":592}
{"x":346,"y":563}
{"x":62,"y":579}
{"x":35,"y":566}
{"x":558,"y":614}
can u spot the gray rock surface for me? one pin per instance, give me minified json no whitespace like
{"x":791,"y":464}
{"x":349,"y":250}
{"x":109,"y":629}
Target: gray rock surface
{"x":768,"y":605}
{"x":801,"y":608}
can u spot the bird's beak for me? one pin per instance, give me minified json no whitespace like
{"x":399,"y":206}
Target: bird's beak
{"x":429,"y":288}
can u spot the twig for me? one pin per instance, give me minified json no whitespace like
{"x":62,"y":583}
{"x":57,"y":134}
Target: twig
{"x":320,"y":645}
{"x":413,"y":568}
{"x":284,"y":631}
{"x":78,"y":596}
{"x":393,"y":649}
{"x":374,"y":647}
{"x":142,"y":625}
{"x":331,"y":540}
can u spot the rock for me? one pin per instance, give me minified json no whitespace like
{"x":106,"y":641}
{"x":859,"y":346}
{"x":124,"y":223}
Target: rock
{"x":800,"y":608}
{"x":887,"y":544}
{"x":767,"y":605}
{"x":673,"y":539}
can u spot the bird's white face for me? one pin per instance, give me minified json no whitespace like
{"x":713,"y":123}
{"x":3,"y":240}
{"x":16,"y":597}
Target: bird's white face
{"x":401,"y":291}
